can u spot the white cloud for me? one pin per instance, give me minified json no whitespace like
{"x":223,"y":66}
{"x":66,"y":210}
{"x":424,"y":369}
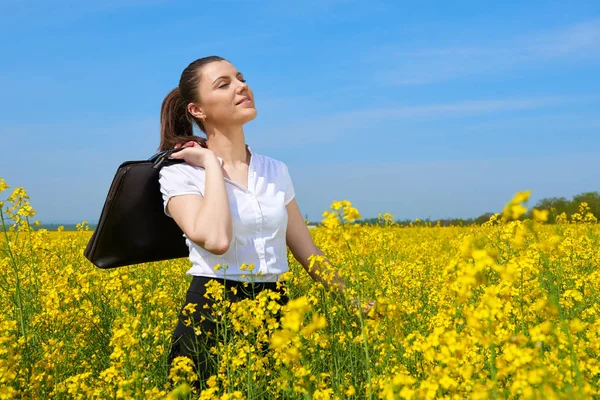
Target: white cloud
{"x":423,"y":66}
{"x":329,"y":128}
{"x":580,"y":40}
{"x":456,"y":109}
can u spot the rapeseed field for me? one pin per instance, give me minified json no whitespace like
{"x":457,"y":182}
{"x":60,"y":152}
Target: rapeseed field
{"x":508,"y":310}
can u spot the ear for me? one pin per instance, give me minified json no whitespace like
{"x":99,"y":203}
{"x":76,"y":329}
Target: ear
{"x":196,"y":111}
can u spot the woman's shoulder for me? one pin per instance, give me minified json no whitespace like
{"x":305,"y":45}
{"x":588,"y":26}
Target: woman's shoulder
{"x":182,"y":169}
{"x":270,"y":163}
{"x":182,"y":166}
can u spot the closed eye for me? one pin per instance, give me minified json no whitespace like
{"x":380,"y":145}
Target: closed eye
{"x":227,"y":84}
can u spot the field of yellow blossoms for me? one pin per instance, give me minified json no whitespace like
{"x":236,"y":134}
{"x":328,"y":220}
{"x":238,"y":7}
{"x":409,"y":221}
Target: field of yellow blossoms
{"x":510,"y":309}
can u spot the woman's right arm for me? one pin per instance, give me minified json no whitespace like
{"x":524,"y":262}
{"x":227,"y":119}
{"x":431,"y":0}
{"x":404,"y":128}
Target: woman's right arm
{"x":206,"y":220}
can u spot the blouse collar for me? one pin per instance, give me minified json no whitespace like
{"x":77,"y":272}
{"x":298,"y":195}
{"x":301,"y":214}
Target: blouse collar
{"x":249,"y":149}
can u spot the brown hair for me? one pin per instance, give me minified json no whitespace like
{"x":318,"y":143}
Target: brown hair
{"x":176,"y":123}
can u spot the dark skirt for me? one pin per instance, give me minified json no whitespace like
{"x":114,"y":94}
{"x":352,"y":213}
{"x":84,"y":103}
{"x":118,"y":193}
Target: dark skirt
{"x":185,"y":342}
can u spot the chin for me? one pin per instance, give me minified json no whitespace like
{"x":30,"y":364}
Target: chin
{"x":249,"y":116}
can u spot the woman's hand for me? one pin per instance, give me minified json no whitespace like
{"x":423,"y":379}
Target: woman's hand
{"x":364,"y":308}
{"x":194,"y":154}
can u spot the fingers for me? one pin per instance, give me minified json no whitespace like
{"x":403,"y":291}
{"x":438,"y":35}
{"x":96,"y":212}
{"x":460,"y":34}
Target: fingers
{"x":190,"y":143}
{"x":179,"y":154}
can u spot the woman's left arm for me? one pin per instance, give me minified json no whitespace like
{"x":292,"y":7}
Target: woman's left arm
{"x":301,"y":244}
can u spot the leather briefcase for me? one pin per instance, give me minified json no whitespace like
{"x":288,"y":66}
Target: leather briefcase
{"x":133,"y":227}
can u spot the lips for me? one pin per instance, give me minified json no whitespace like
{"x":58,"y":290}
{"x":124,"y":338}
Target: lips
{"x":242,"y":100}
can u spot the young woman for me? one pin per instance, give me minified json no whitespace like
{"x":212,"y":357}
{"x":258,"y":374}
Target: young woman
{"x":233,"y":205}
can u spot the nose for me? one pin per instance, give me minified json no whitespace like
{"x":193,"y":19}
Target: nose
{"x":243,"y":86}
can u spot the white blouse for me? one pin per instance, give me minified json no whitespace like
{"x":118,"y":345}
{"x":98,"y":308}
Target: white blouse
{"x":258,"y":215}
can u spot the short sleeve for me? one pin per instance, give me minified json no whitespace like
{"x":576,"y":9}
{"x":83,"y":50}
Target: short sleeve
{"x":177,"y":180}
{"x":289,"y":186}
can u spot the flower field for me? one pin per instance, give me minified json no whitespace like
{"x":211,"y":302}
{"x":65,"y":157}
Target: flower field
{"x":510,"y":309}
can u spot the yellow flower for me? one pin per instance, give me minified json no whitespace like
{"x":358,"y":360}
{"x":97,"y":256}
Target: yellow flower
{"x":514,"y":209}
{"x":182,"y":370}
{"x":281,"y":338}
{"x":540,"y":215}
{"x":3,"y":185}
{"x":318,"y":322}
{"x":576,"y":325}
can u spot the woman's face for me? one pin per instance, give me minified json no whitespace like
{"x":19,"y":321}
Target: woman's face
{"x":225,"y":98}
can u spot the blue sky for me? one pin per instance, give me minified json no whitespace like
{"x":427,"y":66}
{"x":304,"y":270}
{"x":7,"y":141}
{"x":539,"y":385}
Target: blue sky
{"x":421,"y":109}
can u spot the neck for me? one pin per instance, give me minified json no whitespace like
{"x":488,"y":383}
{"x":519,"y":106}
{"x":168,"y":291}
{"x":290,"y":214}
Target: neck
{"x":229,"y":144}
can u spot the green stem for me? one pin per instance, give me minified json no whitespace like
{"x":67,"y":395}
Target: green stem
{"x":493,"y":371}
{"x":17,"y":282}
{"x":362,"y":325}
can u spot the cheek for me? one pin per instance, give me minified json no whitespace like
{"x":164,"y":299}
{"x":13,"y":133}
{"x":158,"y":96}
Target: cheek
{"x":218,"y":104}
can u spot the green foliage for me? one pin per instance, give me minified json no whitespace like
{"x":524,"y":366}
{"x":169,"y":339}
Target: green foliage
{"x":555,"y":205}
{"x":558,"y":205}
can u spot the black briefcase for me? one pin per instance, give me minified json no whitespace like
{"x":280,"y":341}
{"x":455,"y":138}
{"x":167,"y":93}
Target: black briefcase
{"x":133,"y":227}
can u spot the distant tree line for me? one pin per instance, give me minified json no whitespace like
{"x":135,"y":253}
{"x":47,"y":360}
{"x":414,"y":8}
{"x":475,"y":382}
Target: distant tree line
{"x":66,"y":227}
{"x":555,"y":206}
{"x":558,"y":205}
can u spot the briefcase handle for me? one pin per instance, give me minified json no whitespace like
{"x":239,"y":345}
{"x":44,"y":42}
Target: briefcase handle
{"x":158,"y":158}
{"x":162,"y":156}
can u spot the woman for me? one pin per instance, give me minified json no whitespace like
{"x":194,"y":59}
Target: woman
{"x":233,"y":205}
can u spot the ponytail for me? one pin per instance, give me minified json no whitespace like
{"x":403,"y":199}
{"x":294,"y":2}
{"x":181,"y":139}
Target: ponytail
{"x":176,"y":124}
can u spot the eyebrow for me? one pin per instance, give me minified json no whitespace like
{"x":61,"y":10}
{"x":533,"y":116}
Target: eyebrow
{"x":239,"y":73}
